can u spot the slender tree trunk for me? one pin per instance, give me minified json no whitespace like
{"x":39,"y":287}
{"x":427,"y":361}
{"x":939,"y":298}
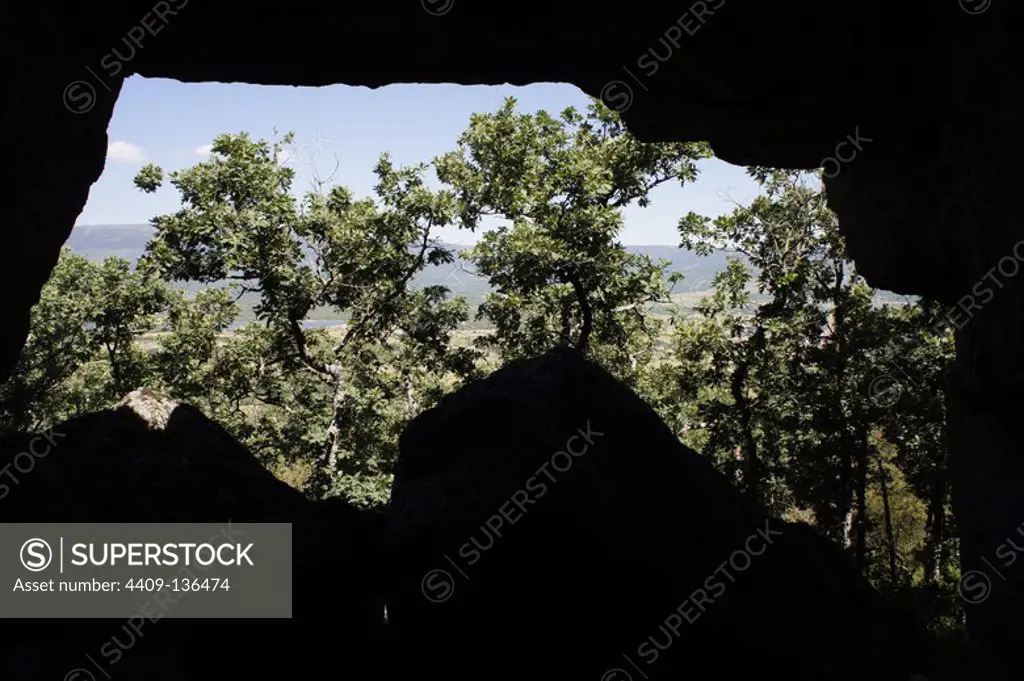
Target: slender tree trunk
{"x":861,"y":525}
{"x":890,"y":534}
{"x":846,"y":444}
{"x":847,"y":530}
{"x":412,"y":406}
{"x":751,"y":462}
{"x":935,"y":551}
{"x":753,"y":470}
{"x":334,"y":430}
{"x":115,"y":369}
{"x":566,"y":322}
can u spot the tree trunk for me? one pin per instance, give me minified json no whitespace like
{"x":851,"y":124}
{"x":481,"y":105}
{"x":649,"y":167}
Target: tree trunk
{"x":847,"y":485}
{"x":890,"y":534}
{"x":334,"y":430}
{"x":861,"y":524}
{"x":751,"y":462}
{"x":566,"y":322}
{"x":412,"y":407}
{"x":847,"y":529}
{"x":935,"y":554}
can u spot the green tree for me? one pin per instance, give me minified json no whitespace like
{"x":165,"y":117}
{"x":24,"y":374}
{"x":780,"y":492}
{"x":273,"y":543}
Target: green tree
{"x":240,"y":224}
{"x":787,"y":236}
{"x":557,"y":187}
{"x":790,"y":376}
{"x":812,"y":395}
{"x":81,"y":353}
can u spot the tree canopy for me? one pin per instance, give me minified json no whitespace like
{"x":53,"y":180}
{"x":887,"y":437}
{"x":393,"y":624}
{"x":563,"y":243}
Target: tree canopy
{"x":809,"y":393}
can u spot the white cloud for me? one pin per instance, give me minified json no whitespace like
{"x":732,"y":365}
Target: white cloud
{"x":204,"y":150}
{"x":125,"y":152}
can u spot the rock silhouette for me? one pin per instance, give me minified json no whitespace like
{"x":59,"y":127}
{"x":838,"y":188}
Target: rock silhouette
{"x":545,"y":523}
{"x":931,"y":210}
{"x":153,"y":460}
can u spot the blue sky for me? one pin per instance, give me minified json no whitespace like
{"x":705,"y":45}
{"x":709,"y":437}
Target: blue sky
{"x":168,"y":123}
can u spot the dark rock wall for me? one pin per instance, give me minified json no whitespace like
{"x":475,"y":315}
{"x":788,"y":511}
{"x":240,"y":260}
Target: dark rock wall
{"x":600,"y":567}
{"x":507,"y":560}
{"x":929,"y":206}
{"x":982,"y":148}
{"x":114,"y":466}
{"x":767,"y":83}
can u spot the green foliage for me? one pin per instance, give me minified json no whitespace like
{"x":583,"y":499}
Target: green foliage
{"x":80,"y":354}
{"x":819,"y":402}
{"x":789,"y":376}
{"x":333,"y":397}
{"x":559,"y":186}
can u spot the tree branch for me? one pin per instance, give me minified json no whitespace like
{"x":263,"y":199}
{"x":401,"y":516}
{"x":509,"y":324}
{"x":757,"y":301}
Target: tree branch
{"x":584,"y":303}
{"x":299,"y":336}
{"x":358,"y":323}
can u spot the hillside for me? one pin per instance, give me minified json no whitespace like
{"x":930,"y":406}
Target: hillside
{"x":97,"y":242}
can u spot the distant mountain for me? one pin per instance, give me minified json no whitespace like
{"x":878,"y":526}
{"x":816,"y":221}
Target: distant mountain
{"x":97,"y":242}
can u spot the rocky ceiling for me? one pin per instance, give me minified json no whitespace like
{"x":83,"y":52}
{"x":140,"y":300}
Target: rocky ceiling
{"x":770,"y":83}
{"x":928,"y":198}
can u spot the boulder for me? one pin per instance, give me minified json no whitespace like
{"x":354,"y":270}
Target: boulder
{"x":154,"y":460}
{"x":545,"y":523}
